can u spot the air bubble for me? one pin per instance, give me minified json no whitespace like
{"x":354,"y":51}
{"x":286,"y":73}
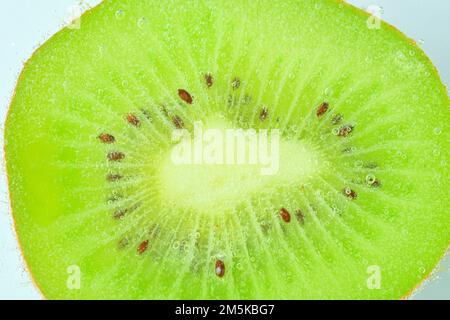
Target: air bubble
{"x":359,"y":164}
{"x":437,"y":131}
{"x":327,"y":92}
{"x":219,"y":256}
{"x":370,"y":179}
{"x":142,"y":23}
{"x":120,"y":14}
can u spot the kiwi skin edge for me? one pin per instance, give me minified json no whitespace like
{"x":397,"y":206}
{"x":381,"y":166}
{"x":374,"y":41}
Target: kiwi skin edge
{"x":356,"y":10}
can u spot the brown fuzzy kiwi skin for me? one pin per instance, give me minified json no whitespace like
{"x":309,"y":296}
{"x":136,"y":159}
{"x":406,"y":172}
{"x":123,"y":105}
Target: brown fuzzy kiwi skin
{"x":88,"y":12}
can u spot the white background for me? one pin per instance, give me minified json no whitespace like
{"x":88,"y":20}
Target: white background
{"x":26,"y":24}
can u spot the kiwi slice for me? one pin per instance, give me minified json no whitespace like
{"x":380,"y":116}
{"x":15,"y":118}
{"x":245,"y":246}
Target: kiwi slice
{"x":358,"y":207}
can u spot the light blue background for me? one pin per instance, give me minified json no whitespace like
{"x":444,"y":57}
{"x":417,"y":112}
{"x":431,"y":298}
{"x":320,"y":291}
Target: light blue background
{"x":25,"y":24}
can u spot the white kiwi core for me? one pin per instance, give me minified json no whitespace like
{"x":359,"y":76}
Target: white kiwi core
{"x":218,"y":165}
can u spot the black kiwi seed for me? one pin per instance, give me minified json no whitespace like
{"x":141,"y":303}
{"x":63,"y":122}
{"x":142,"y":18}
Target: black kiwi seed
{"x":344,"y":131}
{"x":264,"y":227}
{"x":106,"y":138}
{"x":120,"y":213}
{"x":143,"y":246}
{"x":347,"y":150}
{"x":285,"y":215}
{"x":236,"y":83}
{"x":185,"y":96}
{"x":337,"y":119}
{"x":370,"y":165}
{"x":264,"y":114}
{"x":146,"y":114}
{"x":300,"y":216}
{"x":322,"y":109}
{"x":230,"y":100}
{"x":133,"y":120}
{"x":246,"y":100}
{"x":376,"y":183}
{"x":116,"y":156}
{"x":220,"y":268}
{"x":164,"y":111}
{"x":122,"y":244}
{"x":351,"y":194}
{"x":113,"y":177}
{"x":209,"y":80}
{"x":114,"y":197}
{"x":178,"y":122}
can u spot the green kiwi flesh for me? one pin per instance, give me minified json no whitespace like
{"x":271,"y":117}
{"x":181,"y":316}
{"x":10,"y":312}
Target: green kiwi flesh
{"x":363,"y":179}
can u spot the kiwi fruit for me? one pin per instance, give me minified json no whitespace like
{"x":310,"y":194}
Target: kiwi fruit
{"x":357,"y":210}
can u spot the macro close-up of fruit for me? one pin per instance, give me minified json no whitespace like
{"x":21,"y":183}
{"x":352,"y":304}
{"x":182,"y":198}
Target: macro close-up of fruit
{"x":347,"y":199}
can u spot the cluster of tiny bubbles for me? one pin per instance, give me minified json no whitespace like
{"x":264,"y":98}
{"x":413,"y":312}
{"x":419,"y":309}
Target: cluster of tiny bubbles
{"x":370,"y":179}
{"x":142,"y":22}
{"x":120,"y":14}
{"x":400,"y":154}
